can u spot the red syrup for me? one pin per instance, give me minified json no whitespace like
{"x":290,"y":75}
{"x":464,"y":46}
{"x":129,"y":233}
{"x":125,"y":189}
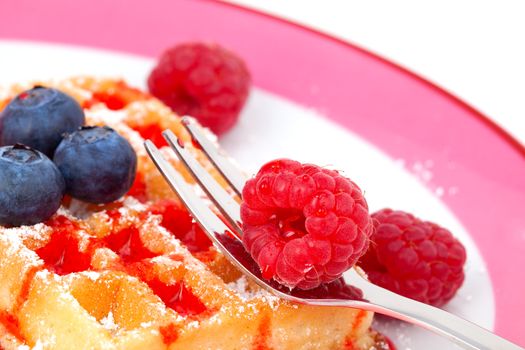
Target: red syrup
{"x":138,"y":188}
{"x":389,"y":343}
{"x":260,"y":341}
{"x":112,"y":101}
{"x":179,"y":222}
{"x":178,"y":297}
{"x":170,"y":333}
{"x":359,"y":318}
{"x":128,"y":245}
{"x":62,"y":254}
{"x":10,"y":323}
{"x":153,"y":133}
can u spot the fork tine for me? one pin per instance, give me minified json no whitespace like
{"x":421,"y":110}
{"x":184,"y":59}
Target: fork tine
{"x":198,"y":208}
{"x":216,"y":155}
{"x":214,"y":228}
{"x":222,"y":199}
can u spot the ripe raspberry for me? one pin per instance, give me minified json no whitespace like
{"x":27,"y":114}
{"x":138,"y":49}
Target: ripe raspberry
{"x":204,"y":81}
{"x":414,"y":258}
{"x":302,"y":224}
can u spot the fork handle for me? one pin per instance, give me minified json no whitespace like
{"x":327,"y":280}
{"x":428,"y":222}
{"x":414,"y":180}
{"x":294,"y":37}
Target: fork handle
{"x":464,"y":333}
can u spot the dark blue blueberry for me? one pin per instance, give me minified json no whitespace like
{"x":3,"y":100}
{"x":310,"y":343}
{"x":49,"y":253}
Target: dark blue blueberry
{"x":31,"y":186}
{"x":38,"y":118}
{"x":97,"y":163}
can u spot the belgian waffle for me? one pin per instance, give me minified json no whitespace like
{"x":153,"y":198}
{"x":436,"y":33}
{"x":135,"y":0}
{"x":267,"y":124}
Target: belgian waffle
{"x":124,"y":276}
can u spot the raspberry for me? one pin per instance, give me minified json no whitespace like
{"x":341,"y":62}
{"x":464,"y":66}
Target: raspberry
{"x":204,"y":81}
{"x":302,"y":224}
{"x":414,"y":258}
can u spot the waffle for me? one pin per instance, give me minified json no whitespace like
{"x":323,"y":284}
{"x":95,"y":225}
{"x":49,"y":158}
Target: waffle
{"x":128,"y":275}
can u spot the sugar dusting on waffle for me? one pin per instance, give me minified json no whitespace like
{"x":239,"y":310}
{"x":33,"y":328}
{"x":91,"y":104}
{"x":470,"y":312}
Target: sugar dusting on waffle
{"x":117,"y":279}
{"x":248,"y":292}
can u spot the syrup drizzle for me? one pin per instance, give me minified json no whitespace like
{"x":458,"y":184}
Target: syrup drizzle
{"x":128,"y":245}
{"x":62,"y":254}
{"x":170,"y":334}
{"x":112,"y":101}
{"x":178,"y":297}
{"x":389,"y":343}
{"x":138,"y":189}
{"x":9,"y":321}
{"x":179,"y":223}
{"x":260,"y":341}
{"x":359,"y":318}
{"x":153,"y":132}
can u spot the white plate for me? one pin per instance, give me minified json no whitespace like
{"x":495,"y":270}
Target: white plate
{"x":273,"y":127}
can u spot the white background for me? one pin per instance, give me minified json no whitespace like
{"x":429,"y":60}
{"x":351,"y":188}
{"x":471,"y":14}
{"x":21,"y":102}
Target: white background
{"x":472,"y":48}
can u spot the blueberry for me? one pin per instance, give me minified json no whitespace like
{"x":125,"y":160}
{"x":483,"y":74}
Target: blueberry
{"x":31,"y":186}
{"x":97,"y":163}
{"x":38,"y":118}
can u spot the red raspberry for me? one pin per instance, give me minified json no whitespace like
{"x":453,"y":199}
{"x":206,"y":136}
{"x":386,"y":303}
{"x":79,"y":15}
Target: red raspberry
{"x":204,"y":81}
{"x":414,"y":258}
{"x":302,"y":224}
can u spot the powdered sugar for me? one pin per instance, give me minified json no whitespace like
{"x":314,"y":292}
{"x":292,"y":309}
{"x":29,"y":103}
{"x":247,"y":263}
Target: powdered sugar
{"x":38,"y":345}
{"x":146,"y":324}
{"x":100,"y":114}
{"x":242,"y":288}
{"x":46,"y":277}
{"x":36,"y":232}
{"x":78,"y":209}
{"x":193,"y":324}
{"x":62,"y":211}
{"x":108,"y":322}
{"x":92,"y":275}
{"x":15,"y":247}
{"x":133,"y":204}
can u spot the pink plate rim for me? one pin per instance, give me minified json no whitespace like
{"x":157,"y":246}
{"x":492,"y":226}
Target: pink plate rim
{"x":485,"y":119}
{"x":479,"y":167}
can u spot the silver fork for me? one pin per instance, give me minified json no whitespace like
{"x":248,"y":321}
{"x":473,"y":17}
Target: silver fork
{"x":228,"y":239}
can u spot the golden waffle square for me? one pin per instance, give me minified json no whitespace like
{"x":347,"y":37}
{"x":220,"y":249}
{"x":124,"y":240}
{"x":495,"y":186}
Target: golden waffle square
{"x":136,"y":274}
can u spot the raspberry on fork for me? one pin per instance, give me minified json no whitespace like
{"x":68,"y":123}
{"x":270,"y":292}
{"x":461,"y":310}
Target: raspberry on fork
{"x":414,"y":258}
{"x":304,"y":225}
